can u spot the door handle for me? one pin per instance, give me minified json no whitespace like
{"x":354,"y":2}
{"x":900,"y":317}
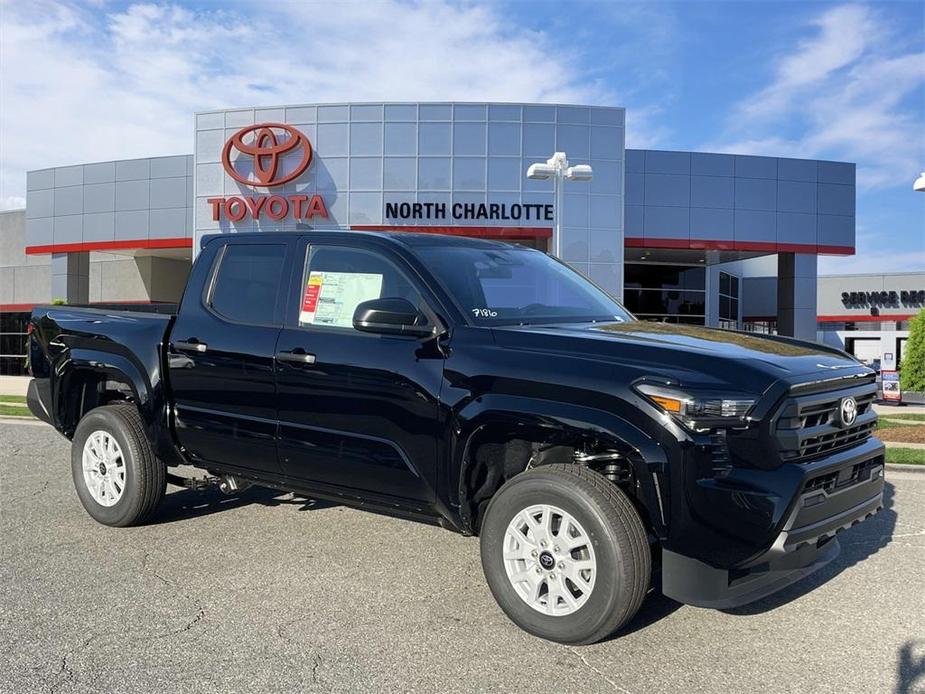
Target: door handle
{"x":191,"y":345}
{"x":297,"y":356}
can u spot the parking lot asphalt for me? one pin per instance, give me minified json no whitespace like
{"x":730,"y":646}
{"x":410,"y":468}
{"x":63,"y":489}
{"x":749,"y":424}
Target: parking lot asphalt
{"x":274,"y":593}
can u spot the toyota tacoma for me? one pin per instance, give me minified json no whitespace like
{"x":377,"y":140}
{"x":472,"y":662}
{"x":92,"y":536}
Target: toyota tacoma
{"x":484,"y":387}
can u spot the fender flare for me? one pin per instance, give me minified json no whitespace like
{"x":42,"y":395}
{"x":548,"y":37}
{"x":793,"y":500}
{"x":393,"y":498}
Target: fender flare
{"x":647,"y":455}
{"x":118,"y":367}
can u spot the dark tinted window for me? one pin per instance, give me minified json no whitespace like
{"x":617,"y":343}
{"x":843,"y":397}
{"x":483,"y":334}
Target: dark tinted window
{"x":650,"y":301}
{"x":728,"y":297}
{"x":652,"y":276}
{"x":248,"y":280}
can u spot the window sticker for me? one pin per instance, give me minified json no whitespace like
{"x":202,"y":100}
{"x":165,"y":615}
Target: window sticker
{"x":330,"y":298}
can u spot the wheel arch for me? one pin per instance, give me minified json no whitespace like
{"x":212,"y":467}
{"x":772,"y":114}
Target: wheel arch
{"x":92,"y":378}
{"x":499,"y":419}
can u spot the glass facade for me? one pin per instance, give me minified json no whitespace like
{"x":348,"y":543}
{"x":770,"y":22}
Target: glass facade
{"x":728,"y":301}
{"x":667,"y":293}
{"x":13,"y":343}
{"x":766,"y":327}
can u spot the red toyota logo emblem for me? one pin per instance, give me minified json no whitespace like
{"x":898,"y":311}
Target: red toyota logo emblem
{"x":267,"y":146}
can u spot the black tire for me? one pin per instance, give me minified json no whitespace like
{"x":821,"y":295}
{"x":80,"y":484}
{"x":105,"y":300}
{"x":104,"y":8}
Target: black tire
{"x":145,"y":475}
{"x":621,"y":549}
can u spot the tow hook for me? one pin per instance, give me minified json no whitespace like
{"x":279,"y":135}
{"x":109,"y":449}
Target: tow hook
{"x":229,"y":484}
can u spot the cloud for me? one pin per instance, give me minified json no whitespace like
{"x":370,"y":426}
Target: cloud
{"x":12,"y":202}
{"x":851,"y":90}
{"x":868,"y":260}
{"x":83,"y":83}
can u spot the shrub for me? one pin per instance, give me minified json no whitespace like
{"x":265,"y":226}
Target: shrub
{"x":912,"y":372}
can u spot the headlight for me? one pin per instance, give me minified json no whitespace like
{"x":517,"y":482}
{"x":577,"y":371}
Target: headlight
{"x":696,"y":410}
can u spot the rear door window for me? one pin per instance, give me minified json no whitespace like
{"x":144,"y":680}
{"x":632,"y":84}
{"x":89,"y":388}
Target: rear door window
{"x":247,"y":282}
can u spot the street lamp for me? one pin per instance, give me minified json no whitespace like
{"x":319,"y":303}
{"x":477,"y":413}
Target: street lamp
{"x":557,"y":168}
{"x":919,"y":184}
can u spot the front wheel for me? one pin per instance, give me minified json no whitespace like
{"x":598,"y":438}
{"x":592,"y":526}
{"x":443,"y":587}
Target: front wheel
{"x":118,"y":479}
{"x":565,"y":554}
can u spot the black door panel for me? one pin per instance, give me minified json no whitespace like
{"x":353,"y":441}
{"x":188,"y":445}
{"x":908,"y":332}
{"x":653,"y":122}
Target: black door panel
{"x":222,"y":359}
{"x":363,"y":413}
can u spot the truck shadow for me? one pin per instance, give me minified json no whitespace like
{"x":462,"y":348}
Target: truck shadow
{"x":654,"y":609}
{"x":910,"y":668}
{"x":857,"y":544}
{"x":186,"y":504}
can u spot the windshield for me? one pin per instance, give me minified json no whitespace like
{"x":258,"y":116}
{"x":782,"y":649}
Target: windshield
{"x":517,"y":286}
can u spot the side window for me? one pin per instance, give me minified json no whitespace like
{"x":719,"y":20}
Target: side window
{"x":247,"y":283}
{"x":336,"y":280}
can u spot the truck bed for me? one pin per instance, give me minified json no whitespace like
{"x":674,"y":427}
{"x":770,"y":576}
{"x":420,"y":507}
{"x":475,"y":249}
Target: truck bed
{"x":93,"y":344}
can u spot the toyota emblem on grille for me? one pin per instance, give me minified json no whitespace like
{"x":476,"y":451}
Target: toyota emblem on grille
{"x":848,"y":411}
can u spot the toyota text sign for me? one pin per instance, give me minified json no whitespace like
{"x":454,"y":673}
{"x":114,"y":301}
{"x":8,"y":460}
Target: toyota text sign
{"x":268,"y":154}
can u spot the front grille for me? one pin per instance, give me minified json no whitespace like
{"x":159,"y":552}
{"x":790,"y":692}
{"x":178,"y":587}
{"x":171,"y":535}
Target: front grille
{"x":815,"y":446}
{"x":807,"y":426}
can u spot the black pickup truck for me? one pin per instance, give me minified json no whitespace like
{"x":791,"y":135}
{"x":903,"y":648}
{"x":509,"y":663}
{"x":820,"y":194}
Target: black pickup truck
{"x":484,"y":387}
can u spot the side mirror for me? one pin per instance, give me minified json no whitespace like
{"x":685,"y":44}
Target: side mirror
{"x":391,"y":316}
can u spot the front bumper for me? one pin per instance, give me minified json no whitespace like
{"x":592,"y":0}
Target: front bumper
{"x":834,"y":495}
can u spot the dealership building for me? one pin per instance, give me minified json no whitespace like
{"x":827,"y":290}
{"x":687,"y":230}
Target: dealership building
{"x":714,"y":239}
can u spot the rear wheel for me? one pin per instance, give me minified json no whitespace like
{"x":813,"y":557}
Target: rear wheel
{"x":118,"y":479}
{"x":565,"y":554}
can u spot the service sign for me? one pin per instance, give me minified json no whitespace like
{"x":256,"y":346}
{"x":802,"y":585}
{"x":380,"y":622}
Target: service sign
{"x":890,"y":384}
{"x":268,"y":154}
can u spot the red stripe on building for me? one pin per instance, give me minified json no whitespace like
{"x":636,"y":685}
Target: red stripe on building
{"x":474,"y":231}
{"x":730,"y":245}
{"x":865,"y":318}
{"x":121,"y":245}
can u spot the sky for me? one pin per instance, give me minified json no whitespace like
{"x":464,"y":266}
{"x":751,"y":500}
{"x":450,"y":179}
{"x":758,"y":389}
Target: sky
{"x":102,"y":80}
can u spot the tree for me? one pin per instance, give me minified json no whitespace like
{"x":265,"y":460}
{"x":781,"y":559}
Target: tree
{"x":912,"y":373}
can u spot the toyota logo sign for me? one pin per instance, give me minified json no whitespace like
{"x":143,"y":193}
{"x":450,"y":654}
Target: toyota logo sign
{"x":278,"y":153}
{"x":848,"y":411}
{"x":265,"y":144}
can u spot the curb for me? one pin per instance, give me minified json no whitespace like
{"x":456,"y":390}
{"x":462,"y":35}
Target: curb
{"x":898,"y":467}
{"x":14,"y":419}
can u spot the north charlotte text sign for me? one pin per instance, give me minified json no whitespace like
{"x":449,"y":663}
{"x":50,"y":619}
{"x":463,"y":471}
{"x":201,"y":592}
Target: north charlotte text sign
{"x":469,"y":211}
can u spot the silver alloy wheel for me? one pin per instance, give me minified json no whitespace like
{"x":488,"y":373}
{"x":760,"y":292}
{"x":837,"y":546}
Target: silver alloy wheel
{"x":549,"y":560}
{"x":104,"y":468}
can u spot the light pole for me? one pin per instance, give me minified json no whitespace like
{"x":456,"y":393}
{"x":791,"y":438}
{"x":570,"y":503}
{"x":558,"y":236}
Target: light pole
{"x":919,"y":184}
{"x":558,"y":169}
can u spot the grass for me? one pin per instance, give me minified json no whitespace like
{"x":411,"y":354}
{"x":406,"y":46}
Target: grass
{"x":7,"y":399}
{"x":14,"y":410}
{"x":905,"y":456}
{"x":895,"y":421}
{"x":904,"y":417}
{"x":886,"y":424}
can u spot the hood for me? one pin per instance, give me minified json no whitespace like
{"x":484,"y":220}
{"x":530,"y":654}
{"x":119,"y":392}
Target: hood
{"x":688,"y":354}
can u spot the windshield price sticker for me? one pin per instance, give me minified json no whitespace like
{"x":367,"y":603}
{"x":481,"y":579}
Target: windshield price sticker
{"x":484,"y":313}
{"x":310,"y":299}
{"x":332,"y":297}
